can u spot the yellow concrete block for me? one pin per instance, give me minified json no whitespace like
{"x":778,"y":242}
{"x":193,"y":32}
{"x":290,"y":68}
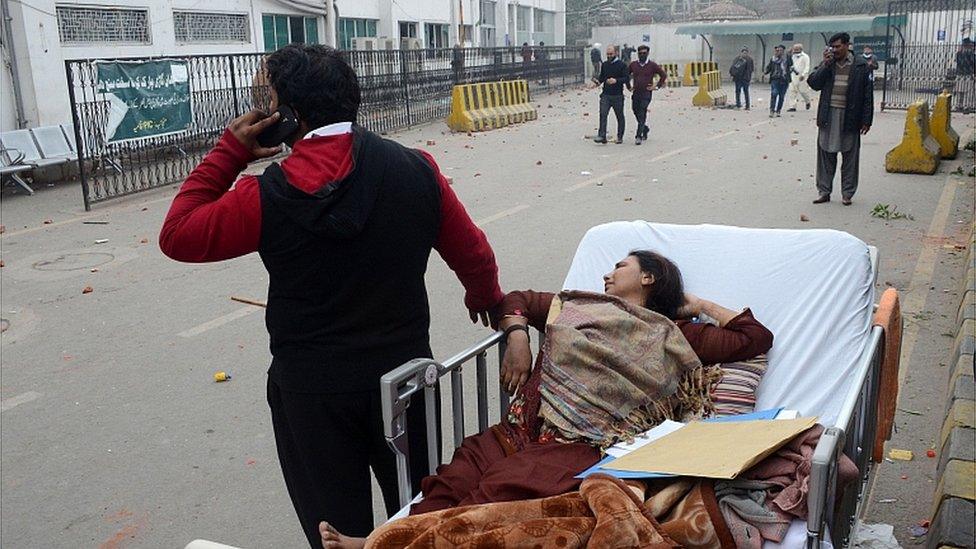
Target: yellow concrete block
{"x":918,"y":152}
{"x":941,"y":126}
{"x":961,"y":414}
{"x":958,"y":481}
{"x":709,"y":92}
{"x":488,"y":105}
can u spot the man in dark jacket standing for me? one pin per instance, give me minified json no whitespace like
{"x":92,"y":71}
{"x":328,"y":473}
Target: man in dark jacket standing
{"x":778,"y":69}
{"x":741,"y":72}
{"x":613,"y":76}
{"x":845,"y":113}
{"x":344,"y":226}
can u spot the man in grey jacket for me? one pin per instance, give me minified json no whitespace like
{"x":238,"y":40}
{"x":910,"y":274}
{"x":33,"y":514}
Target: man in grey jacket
{"x":845,"y":113}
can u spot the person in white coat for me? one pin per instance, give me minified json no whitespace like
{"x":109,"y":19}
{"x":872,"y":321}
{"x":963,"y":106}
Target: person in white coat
{"x":798,"y":82}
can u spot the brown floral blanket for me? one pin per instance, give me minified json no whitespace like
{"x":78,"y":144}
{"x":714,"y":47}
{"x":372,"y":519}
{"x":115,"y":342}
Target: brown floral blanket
{"x":604,"y":513}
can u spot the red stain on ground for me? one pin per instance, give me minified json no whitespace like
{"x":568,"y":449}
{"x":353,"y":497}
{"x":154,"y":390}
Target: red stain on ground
{"x":122,"y":514}
{"x":127,"y":532}
{"x":120,"y":537}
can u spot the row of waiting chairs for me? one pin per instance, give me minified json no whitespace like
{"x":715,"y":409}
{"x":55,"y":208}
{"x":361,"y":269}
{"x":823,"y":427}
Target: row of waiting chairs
{"x":22,"y":151}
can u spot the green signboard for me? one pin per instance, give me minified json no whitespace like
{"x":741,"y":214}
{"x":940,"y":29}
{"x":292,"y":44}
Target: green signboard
{"x":878,"y":43}
{"x":146,"y":98}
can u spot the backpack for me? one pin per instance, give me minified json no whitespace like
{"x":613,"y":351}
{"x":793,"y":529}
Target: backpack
{"x":738,"y":68}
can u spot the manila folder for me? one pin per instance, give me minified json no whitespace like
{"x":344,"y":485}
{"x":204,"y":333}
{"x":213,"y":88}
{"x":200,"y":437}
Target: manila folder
{"x":713,"y":449}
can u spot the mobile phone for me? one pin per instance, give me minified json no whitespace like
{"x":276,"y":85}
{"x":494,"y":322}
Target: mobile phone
{"x":277,"y":133}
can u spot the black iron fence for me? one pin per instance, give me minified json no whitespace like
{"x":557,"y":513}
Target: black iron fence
{"x":930,"y":50}
{"x":400,"y":88}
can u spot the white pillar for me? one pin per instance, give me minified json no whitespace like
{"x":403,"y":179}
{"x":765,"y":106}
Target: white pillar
{"x":330,"y":24}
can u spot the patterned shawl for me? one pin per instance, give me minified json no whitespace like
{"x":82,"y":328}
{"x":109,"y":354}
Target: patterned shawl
{"x":611,"y":370}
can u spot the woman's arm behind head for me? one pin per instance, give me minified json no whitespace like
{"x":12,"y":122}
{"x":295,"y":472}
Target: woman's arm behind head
{"x":740,"y":337}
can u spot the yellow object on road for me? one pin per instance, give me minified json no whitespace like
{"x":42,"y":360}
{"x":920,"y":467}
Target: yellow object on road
{"x":918,"y":151}
{"x":489,"y":105}
{"x":695,"y":69}
{"x":900,"y":455}
{"x":710,"y":92}
{"x":941,"y":126}
{"x":221,"y":376}
{"x":674,"y":75}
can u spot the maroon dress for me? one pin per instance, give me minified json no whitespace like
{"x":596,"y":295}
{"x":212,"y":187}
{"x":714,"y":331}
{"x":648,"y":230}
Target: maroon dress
{"x":511,"y":462}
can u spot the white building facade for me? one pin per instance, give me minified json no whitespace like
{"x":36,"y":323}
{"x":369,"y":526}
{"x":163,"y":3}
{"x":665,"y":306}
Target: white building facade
{"x":39,"y":35}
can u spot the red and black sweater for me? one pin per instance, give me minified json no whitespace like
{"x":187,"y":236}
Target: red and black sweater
{"x":345,"y":226}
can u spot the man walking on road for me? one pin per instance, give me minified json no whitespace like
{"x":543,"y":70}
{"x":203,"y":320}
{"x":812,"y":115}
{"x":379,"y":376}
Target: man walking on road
{"x":778,"y":70}
{"x":741,"y":73}
{"x":613,"y":76}
{"x":344,"y":226}
{"x":642,"y":74}
{"x":845,"y":113}
{"x":799,"y":70}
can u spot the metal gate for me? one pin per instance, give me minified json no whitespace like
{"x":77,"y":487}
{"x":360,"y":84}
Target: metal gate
{"x":930,"y":50}
{"x":399,"y":88}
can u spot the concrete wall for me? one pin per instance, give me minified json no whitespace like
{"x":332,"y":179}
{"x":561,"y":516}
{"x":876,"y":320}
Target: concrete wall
{"x":666,"y":46}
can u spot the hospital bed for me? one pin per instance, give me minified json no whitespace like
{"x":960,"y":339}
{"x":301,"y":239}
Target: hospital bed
{"x":814,"y":289}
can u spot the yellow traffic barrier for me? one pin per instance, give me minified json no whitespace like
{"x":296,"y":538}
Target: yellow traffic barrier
{"x":488,"y":105}
{"x":674,"y":74}
{"x":941,"y":126}
{"x":918,"y":151}
{"x":710,"y":92}
{"x":695,"y":69}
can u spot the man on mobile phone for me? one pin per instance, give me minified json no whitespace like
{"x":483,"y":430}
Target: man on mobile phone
{"x":345,"y":226}
{"x":845,"y":113}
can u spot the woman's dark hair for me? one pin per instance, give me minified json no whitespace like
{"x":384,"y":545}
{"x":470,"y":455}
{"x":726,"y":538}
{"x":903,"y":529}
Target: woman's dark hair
{"x":316,"y":82}
{"x":668,"y":291}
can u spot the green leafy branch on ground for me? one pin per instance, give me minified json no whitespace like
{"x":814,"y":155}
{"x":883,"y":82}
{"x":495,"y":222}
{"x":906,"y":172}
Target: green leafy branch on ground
{"x":888,"y":212}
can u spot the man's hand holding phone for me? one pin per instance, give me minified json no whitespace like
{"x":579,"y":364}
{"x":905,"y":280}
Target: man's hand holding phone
{"x":248,"y":126}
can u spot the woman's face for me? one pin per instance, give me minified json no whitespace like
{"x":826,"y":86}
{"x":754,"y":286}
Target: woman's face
{"x":626,"y":280}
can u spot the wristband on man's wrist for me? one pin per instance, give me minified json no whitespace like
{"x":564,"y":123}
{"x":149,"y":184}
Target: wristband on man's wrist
{"x":516,"y":327}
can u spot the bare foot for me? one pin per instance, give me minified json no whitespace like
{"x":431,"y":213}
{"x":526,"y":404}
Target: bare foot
{"x":332,"y":539}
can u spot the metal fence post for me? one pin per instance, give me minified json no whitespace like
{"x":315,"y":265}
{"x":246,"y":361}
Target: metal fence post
{"x":233,"y":86}
{"x":79,"y":144}
{"x":405,"y":83}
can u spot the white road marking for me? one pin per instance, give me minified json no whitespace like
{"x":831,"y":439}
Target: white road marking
{"x":593,"y":181}
{"x":501,"y":215}
{"x":219,"y":321}
{"x":670,"y":154}
{"x":15,"y":401}
{"x":719,"y":135}
{"x":918,"y":288}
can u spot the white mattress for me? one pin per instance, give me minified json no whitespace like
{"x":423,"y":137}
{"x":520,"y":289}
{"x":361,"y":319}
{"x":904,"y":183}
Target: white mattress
{"x":812,"y":288}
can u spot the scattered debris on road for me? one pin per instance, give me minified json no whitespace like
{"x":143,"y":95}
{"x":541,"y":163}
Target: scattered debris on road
{"x":221,"y":376}
{"x":901,"y":455}
{"x":87,"y":290}
{"x":101,"y":240}
{"x":249,"y":301}
{"x":804,"y":218}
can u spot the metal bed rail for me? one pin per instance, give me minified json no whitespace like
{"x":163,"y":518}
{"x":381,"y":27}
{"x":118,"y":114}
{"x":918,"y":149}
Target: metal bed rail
{"x":424,"y":374}
{"x":853,"y":435}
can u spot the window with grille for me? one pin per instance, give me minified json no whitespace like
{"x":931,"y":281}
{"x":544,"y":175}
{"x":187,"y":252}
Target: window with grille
{"x":86,"y":25}
{"x":199,"y":27}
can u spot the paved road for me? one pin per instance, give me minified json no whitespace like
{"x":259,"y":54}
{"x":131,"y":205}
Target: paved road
{"x":114,"y":434}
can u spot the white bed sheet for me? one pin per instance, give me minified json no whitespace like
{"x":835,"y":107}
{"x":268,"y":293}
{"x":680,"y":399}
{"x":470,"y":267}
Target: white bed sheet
{"x":814,"y":289}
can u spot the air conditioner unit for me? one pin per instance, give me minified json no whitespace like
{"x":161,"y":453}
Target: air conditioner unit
{"x":362,"y":43}
{"x":389,"y":44}
{"x":411,"y":44}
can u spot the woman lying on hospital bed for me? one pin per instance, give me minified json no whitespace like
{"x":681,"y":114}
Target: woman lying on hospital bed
{"x":612,"y":366}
